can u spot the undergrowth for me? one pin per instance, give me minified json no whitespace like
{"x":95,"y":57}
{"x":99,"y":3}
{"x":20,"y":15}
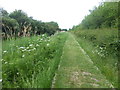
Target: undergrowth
{"x":31,"y":62}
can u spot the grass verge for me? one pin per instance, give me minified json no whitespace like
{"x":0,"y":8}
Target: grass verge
{"x":102,"y":48}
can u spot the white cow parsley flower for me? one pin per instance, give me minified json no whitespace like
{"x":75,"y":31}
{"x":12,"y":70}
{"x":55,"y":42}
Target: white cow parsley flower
{"x":48,"y":44}
{"x":0,"y":80}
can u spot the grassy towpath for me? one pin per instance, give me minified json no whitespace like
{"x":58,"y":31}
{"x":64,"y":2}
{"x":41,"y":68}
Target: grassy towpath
{"x":76,"y":69}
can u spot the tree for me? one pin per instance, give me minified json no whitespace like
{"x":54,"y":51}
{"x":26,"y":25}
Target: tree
{"x":3,"y":12}
{"x":51,"y":27}
{"x":103,"y":16}
{"x":10,"y":27}
{"x":18,"y":23}
{"x":23,"y":20}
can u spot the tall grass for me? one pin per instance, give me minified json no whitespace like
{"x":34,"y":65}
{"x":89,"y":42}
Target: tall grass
{"x":30,"y":62}
{"x":102,"y":47}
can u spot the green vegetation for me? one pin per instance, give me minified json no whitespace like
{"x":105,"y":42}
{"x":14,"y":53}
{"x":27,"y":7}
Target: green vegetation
{"x":98,"y":36}
{"x":88,"y":53}
{"x":17,"y":24}
{"x":102,"y":47}
{"x":33,"y":61}
{"x":106,"y":15}
{"x":77,"y":70}
{"x":30,"y":62}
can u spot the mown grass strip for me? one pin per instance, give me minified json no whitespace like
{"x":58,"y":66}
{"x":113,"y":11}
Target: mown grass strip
{"x":76,"y":71}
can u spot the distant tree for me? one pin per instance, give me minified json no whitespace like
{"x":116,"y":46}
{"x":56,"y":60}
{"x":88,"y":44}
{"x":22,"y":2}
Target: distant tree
{"x":51,"y":27}
{"x":18,"y":23}
{"x":103,"y":16}
{"x":10,"y":27}
{"x":64,"y":30}
{"x":3,"y":12}
{"x":23,"y":20}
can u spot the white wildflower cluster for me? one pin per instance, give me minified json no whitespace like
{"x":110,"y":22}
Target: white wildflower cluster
{"x":23,"y":56}
{"x":2,"y":59}
{"x":31,"y":45}
{"x":37,"y":45}
{"x":21,"y":47}
{"x":43,"y":35}
{"x":6,"y":62}
{"x":48,"y":44}
{"x":4,"y":51}
{"x":24,"y":50}
{"x":34,"y":49}
{"x":101,"y":48}
{"x":17,"y":73}
{"x":29,"y":48}
{"x":0,"y":80}
{"x":100,"y":52}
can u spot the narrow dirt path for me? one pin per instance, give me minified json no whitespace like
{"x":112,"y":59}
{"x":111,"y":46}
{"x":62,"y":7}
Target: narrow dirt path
{"x":76,"y":69}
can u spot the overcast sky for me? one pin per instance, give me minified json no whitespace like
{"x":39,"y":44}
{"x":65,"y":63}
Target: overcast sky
{"x":65,"y":12}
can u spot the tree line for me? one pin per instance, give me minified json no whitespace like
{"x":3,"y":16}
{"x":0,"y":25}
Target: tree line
{"x":18,"y":24}
{"x":106,"y":15}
